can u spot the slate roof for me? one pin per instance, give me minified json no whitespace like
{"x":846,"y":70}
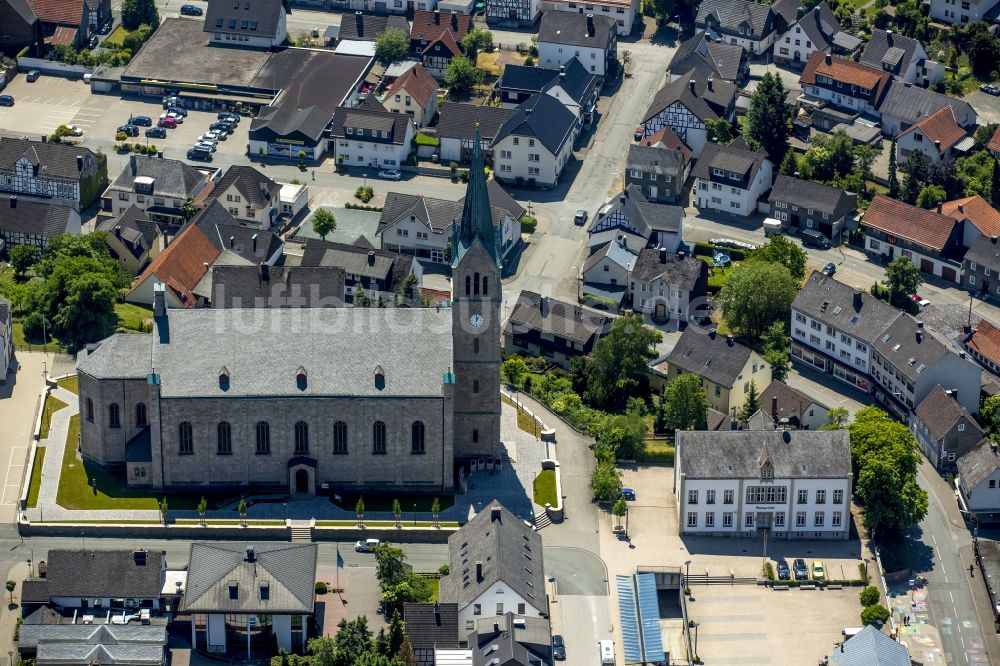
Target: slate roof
{"x":644,"y":216}
{"x":791,"y":402}
{"x":509,"y":551}
{"x":228,"y":235}
{"x":534,"y":312}
{"x":922,"y":227}
{"x":808,"y":194}
{"x":703,"y":102}
{"x":526,"y":79}
{"x":985,"y":252}
{"x":65,"y":12}
{"x":100,"y":655}
{"x":31,"y":217}
{"x":285,"y":120}
{"x":35,"y":591}
{"x":877,"y":51}
{"x":365,"y":27}
{"x":570,"y":29}
{"x":120,"y":356}
{"x":440,"y":214}
{"x":910,"y":103}
{"x":58,"y":159}
{"x":277,"y":286}
{"x":392,"y":267}
{"x":498,"y":640}
{"x":430,"y":626}
{"x":76,"y":636}
{"x":722,"y":60}
{"x":459,"y":121}
{"x":737,"y":454}
{"x":661,"y":161}
{"x":711,"y":356}
{"x":785,"y":13}
{"x":910,"y":349}
{"x":257,"y":189}
{"x":246,"y":17}
{"x":287,"y":569}
{"x":978,"y":464}
{"x":940,"y":412}
{"x":181,"y":264}
{"x":734,"y":157}
{"x":172,"y":178}
{"x":731,"y":14}
{"x":542,"y":117}
{"x":418,"y":82}
{"x":939,"y":126}
{"x":870,"y":647}
{"x":614,"y":251}
{"x":668,"y":138}
{"x":23,"y":9}
{"x":104,"y":573}
{"x":682,"y":274}
{"x":385,"y":121}
{"x":134,"y":228}
{"x":824,"y":31}
{"x":424,"y":26}
{"x":853,"y":311}
{"x":578,"y":83}
{"x":976,"y":210}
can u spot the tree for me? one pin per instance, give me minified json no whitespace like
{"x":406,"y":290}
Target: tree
{"x":241,"y":509}
{"x":202,"y":509}
{"x":397,"y":511}
{"x":779,"y":249}
{"x":930,"y":196}
{"x":462,"y":74}
{"x":875,"y":615}
{"x":408,"y":288}
{"x":623,"y":436}
{"x":790,"y":164}
{"x":353,"y":638}
{"x":10,"y":588}
{"x":606,"y":481}
{"x":869,"y":596}
{"x":392,"y":45}
{"x":436,"y":511}
{"x":719,"y":130}
{"x":619,"y":509}
{"x":323,"y":222}
{"x":515,"y":370}
{"x":995,"y":185}
{"x":683,"y":405}
{"x":752,"y":403}
{"x":406,"y":655}
{"x":446,"y":252}
{"x":361,"y":299}
{"x":476,"y":40}
{"x":390,"y":564}
{"x":88,"y":311}
{"x":618,"y":364}
{"x":918,"y":169}
{"x":776,"y":350}
{"x":137,"y":12}
{"x":757,"y":294}
{"x":974,"y":174}
{"x":359,"y":511}
{"x":396,"y":634}
{"x":188,"y":211}
{"x":836,"y":419}
{"x":903,"y":278}
{"x":984,"y":133}
{"x":22,"y":257}
{"x":163,"y":507}
{"x":768,"y":122}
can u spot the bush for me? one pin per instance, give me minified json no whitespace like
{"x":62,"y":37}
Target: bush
{"x":870,"y":596}
{"x":321,"y":587}
{"x":365,"y":193}
{"x":464,"y":175}
{"x":769,"y":571}
{"x":426,"y":140}
{"x":875,"y":615}
{"x":528,"y":224}
{"x":444,"y":569}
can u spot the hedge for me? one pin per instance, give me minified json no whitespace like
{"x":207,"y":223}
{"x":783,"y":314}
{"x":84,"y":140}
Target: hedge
{"x":426,"y":140}
{"x":708,"y":249}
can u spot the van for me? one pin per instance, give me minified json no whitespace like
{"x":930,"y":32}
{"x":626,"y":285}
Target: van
{"x":607,"y":651}
{"x":815,"y":238}
{"x":772,"y":226}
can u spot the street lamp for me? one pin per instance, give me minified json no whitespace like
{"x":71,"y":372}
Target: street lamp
{"x":687,"y":572}
{"x":696,"y":624}
{"x":10,"y":655}
{"x":366,"y":178}
{"x":414,"y":514}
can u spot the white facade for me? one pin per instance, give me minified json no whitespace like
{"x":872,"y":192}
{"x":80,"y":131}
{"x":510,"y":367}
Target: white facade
{"x":984,"y":497}
{"x":293,"y":198}
{"x":920,"y":259}
{"x":623,"y":13}
{"x":607,"y":271}
{"x":799,"y":508}
{"x":751,"y":43}
{"x":101,"y":605}
{"x":551,"y":56}
{"x":859,"y":104}
{"x":710,"y":195}
{"x":794,"y":46}
{"x":359,"y":153}
{"x":525,"y":157}
{"x":648,"y":296}
{"x":400,"y":101}
{"x":959,"y":11}
{"x":262,"y":217}
{"x":853,"y":353}
{"x":408,"y":234}
{"x":686,"y":125}
{"x":252,"y":39}
{"x":498,"y":599}
{"x":24,"y":181}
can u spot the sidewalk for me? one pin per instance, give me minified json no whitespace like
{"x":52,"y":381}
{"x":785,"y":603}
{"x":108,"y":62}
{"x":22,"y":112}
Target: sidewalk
{"x":921,"y":638}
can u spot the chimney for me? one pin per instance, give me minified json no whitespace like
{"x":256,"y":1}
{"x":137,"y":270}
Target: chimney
{"x":774,"y":408}
{"x":437,"y":16}
{"x":265,"y":273}
{"x":251,"y":557}
{"x":937,"y":145}
{"x":857,"y":300}
{"x":993,"y":239}
{"x":733,"y":424}
{"x":79,"y":162}
{"x":232,"y":241}
{"x":920,"y":324}
{"x":961,"y":208}
{"x":562,"y":71}
{"x":691,"y":85}
{"x":920,"y":335}
{"x":454,"y":20}
{"x":543,"y":306}
{"x":360,"y":21}
{"x":800,"y":12}
{"x":591,"y":31}
{"x":730,"y":341}
{"x":371,"y":257}
{"x":479,"y":572}
{"x":159,"y":302}
{"x":828,"y":59}
{"x":888,"y":37}
{"x":495,"y":514}
{"x":710,"y":82}
{"x":663,"y":255}
{"x":118,"y":231}
{"x":711,"y":333}
{"x":13,"y":204}
{"x":437,"y":613}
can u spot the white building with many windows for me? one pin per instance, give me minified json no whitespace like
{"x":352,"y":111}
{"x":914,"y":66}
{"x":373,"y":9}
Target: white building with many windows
{"x":793,"y":484}
{"x":622,"y":12}
{"x":730,"y":179}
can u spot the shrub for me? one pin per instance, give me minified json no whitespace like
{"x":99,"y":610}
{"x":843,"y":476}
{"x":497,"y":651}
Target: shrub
{"x":769,"y":571}
{"x":426,"y":140}
{"x":875,"y":615}
{"x":444,"y":569}
{"x":365,"y":193}
{"x":870,"y":596}
{"x":528,"y":224}
{"x":321,"y":587}
{"x":464,"y":175}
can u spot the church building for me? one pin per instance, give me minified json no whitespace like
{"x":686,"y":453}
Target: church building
{"x":313,"y":399}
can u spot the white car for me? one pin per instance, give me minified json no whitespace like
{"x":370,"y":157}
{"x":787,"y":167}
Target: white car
{"x":205,"y":145}
{"x":366,"y":545}
{"x":75,"y":131}
{"x":209,"y":137}
{"x":178,"y":118}
{"x":389,"y":174}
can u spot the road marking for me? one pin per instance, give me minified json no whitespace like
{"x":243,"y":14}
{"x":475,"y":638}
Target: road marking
{"x":10,"y":464}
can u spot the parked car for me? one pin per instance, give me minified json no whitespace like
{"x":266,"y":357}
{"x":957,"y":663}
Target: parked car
{"x":177,"y":111}
{"x":141,"y":121}
{"x":366,"y":545}
{"x":829,"y":269}
{"x":199,"y":154}
{"x":156,"y":133}
{"x":229,"y":115}
{"x":815,"y":238}
{"x":74,"y":130}
{"x":389,"y":174}
{"x":800,"y":569}
{"x":818,"y":571}
{"x":6,"y":100}
{"x":558,"y":647}
{"x":33,"y":76}
{"x":783,"y":572}
{"x":129,"y":130}
{"x":205,"y":145}
{"x":211,"y":137}
{"x":580,"y":218}
{"x":628,"y":494}
{"x":167,"y":122}
{"x":222,"y":127}
{"x":920,"y":300}
{"x":990,"y":89}
{"x":92,"y":42}
{"x":191,"y":10}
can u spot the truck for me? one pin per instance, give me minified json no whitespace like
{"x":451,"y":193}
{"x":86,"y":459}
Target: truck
{"x":772,"y":226}
{"x":607,"y":649}
{"x":815,"y":238}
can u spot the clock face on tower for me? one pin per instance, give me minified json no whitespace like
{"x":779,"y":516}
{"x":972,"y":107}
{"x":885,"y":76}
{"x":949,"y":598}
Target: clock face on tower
{"x":476,"y":320}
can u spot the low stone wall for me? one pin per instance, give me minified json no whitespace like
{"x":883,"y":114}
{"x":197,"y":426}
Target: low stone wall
{"x":255,"y":532}
{"x":52,"y":68}
{"x":555,"y":513}
{"x":547,"y":434}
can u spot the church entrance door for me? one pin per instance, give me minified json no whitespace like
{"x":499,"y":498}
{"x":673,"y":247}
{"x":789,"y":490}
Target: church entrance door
{"x":301,"y":481}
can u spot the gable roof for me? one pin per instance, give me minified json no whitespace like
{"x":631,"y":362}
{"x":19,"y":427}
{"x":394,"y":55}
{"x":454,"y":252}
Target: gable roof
{"x":445,"y":40}
{"x":134,"y":229}
{"x":791,"y":402}
{"x":172,"y":178}
{"x":939,"y":127}
{"x":430,"y":26}
{"x":940,"y":412}
{"x":870,"y":647}
{"x":534,"y":312}
{"x":365,"y":27}
{"x":105,"y":573}
{"x":984,"y":250}
{"x":574,"y":29}
{"x":910,"y":103}
{"x":286,"y":120}
{"x":922,"y":227}
{"x":430,"y":626}
{"x":734,"y":157}
{"x":706,"y":102}
{"x":418,"y":82}
{"x":578,"y":83}
{"x":658,"y":265}
{"x":737,"y":454}
{"x":985,"y":341}
{"x":460,"y":121}
{"x":65,"y":12}
{"x":287,"y":569}
{"x":977,"y":211}
{"x":994,"y":145}
{"x":20,"y":216}
{"x":257,"y":189}
{"x":785,"y":12}
{"x":808,"y":194}
{"x":615,"y":252}
{"x":245,"y":17}
{"x":892,"y":50}
{"x":978,"y":464}
{"x":732,"y":14}
{"x":394,"y":124}
{"x":821,"y":26}
{"x":23,"y":9}
{"x":182,"y":264}
{"x":438,"y":215}
{"x":722,"y":60}
{"x":228,"y":235}
{"x":715,"y":357}
{"x":843,"y":307}
{"x":848,"y":72}
{"x":57,"y":159}
{"x":645,"y":216}
{"x":277,"y":286}
{"x":391,"y":267}
{"x":911,"y":348}
{"x":34,"y":635}
{"x":499,"y":640}
{"x":544,"y":118}
{"x":667,"y":138}
{"x":526,"y":79}
{"x":658,"y":160}
{"x":509,"y":551}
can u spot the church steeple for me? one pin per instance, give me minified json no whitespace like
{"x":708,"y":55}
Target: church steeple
{"x":477,"y":215}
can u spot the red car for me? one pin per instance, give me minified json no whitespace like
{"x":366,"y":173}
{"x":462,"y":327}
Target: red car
{"x":169,"y":123}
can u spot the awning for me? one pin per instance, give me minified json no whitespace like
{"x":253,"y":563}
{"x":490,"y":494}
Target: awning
{"x":965,"y":145}
{"x":227,"y":97}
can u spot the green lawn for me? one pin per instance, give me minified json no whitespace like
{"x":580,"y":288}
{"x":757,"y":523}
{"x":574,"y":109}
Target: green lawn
{"x":375,"y":502}
{"x":117,"y":36}
{"x":71,"y":384}
{"x":36,"y":477}
{"x":524,"y":421}
{"x":33,"y":344}
{"x":52,"y":405}
{"x":545,"y":488}
{"x":435,"y":589}
{"x":659,"y":451}
{"x":132,"y":317}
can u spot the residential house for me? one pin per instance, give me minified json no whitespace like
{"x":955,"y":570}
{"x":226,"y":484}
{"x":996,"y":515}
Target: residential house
{"x":536,"y":143}
{"x":961,"y":12}
{"x":98,"y":13}
{"x":415,"y":94}
{"x":666,"y":138}
{"x":607,"y":272}
{"x":457,"y":126}
{"x":552,"y":329}
{"x":843,"y":83}
{"x":250,"y":23}
{"x":294,"y":198}
{"x":19,"y":27}
{"x":793,"y":484}
{"x":664,"y":284}
{"x":436,"y":38}
{"x":747,"y":24}
{"x":366,"y":27}
{"x":57,"y":173}
{"x":249,"y":196}
{"x":803,"y":204}
{"x":994,"y":145}
{"x":635,"y":222}
{"x":975,"y":215}
{"x":901,"y":56}
{"x":267,"y":286}
{"x":518,"y":83}
{"x":932,"y":241}
{"x":725,"y":367}
{"x":944,"y":429}
{"x":32,"y":223}
{"x":513,"y":13}
{"x":712,"y":59}
{"x":157,"y":185}
{"x":372,"y":138}
{"x":130,"y":644}
{"x":623,"y":12}
{"x":686,"y":104}
{"x":63,"y":22}
{"x":571,"y":84}
{"x":785,"y":14}
{"x":814,"y":30}
{"x":430,"y":627}
{"x":98,"y":581}
{"x":983,"y":344}
{"x":870,"y":646}
{"x":905,"y":104}
{"x":659,"y":172}
{"x":981,"y":267}
{"x":255,"y":596}
{"x":379,"y":274}
{"x":496,"y":567}
{"x":6,"y":338}
{"x":422,"y":226}
{"x":789,"y":407}
{"x":979,"y":481}
{"x":133,"y":238}
{"x":937,"y":136}
{"x":593,"y":40}
{"x":731,"y":178}
{"x":522,"y":641}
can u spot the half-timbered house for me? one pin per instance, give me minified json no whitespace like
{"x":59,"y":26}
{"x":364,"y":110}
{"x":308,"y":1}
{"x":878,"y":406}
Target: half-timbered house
{"x":686,"y":103}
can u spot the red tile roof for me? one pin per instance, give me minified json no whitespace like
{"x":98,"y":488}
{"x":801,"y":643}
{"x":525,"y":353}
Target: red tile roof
{"x":63,"y":12}
{"x":976,"y":210}
{"x":994,"y":144}
{"x":418,"y":82}
{"x":985,"y":341}
{"x":669,"y":139}
{"x":446,"y":39}
{"x":940,"y":126}
{"x":424,"y":27}
{"x":916,"y":225}
{"x":182,"y":264}
{"x":845,"y":71}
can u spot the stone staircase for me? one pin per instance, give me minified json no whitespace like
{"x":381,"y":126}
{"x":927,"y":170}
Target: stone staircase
{"x":301,"y":530}
{"x":542,"y":520}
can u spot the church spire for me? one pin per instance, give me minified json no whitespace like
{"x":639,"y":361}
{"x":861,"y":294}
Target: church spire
{"x":477,"y":215}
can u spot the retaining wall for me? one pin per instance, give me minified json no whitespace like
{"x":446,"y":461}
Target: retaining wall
{"x":52,"y":68}
{"x":555,"y":513}
{"x":255,"y":532}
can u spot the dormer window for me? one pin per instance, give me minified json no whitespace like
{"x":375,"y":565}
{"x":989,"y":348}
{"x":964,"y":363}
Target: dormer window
{"x":350,"y":130}
{"x":767,"y":471}
{"x":301,"y":379}
{"x":218,"y":22}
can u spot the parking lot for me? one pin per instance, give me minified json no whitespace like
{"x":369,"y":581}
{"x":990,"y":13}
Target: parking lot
{"x":51,"y":101}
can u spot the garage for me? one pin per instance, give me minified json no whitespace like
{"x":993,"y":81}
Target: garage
{"x":927,"y":266}
{"x":948,"y":273}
